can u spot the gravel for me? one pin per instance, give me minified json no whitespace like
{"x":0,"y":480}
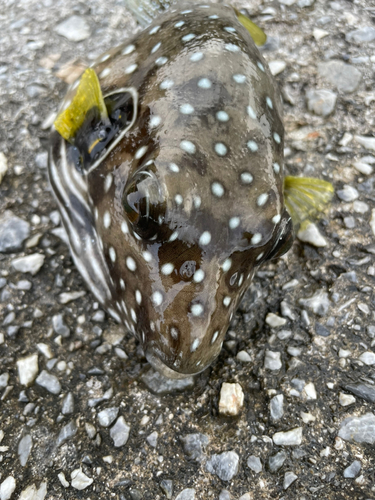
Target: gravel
{"x":107,"y":416}
{"x":321,"y":102}
{"x":120,"y":432}
{"x":343,"y":76}
{"x":75,"y":29}
{"x":27,"y":369}
{"x":231,"y":399}
{"x":194,"y":445}
{"x":289,"y":478}
{"x":254,"y":464}
{"x":288,"y":438}
{"x":13,"y":232}
{"x":79,"y":480}
{"x":311,"y":234}
{"x":29,"y":264}
{"x":359,"y":429}
{"x":277,"y":407}
{"x":224,"y":465}
{"x":49,"y":382}
{"x":353,"y":469}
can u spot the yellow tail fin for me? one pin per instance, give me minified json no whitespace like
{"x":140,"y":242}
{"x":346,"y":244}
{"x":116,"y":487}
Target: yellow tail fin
{"x":257,"y":34}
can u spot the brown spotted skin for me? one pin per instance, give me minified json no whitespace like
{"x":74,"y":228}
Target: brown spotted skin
{"x":209,"y":129}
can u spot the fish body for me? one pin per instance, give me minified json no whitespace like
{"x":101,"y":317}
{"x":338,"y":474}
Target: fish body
{"x":168,"y":222}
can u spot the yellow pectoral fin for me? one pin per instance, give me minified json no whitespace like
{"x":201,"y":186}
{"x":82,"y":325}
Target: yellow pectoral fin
{"x":306,"y":197}
{"x":88,"y":96}
{"x":257,"y":34}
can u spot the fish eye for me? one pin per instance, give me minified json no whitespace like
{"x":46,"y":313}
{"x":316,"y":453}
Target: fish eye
{"x":144,"y":203}
{"x":285,"y":238}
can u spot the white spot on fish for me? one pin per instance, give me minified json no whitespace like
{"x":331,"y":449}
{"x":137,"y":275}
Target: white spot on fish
{"x":154,"y":30}
{"x":186,"y":109}
{"x":246,"y":178}
{"x":197,"y":201}
{"x":234,"y":222}
{"x":108,"y":183}
{"x":276,"y":137}
{"x":198,"y":276}
{"x":178,"y":199}
{"x":204,"y":83}
{"x":166,"y":84}
{"x":179,"y":24}
{"x":260,"y":66}
{"x":205,"y":238}
{"x":227,"y":265}
{"x":239,"y":78}
{"x":112,"y":254}
{"x":197,"y":309}
{"x":229,"y":29}
{"x":155,"y":121}
{"x":155,"y":48}
{"x":140,"y":152}
{"x":105,"y":72}
{"x":253,"y":146}
{"x":227,"y":301}
{"x":128,"y":50}
{"x":122,"y":284}
{"x":214,"y":16}
{"x":138,"y":297}
{"x":276,"y":168}
{"x":276,"y":219}
{"x":251,"y":113}
{"x":157,"y":298}
{"x":269,"y":103}
{"x":167,"y":269}
{"x":257,"y":238}
{"x":262,"y":199}
{"x":174,"y":168}
{"x":197,"y":56}
{"x":231,"y":47}
{"x":217,"y":189}
{"x":174,"y":332}
{"x":188,"y":37}
{"x":147,"y":256}
{"x":195,"y":345}
{"x":221,"y":149}
{"x":134,"y":316}
{"x":161,"y":60}
{"x":173,"y":236}
{"x":130,"y":69}
{"x":106,"y":219}
{"x":130,"y":263}
{"x":222,"y":116}
{"x":188,"y":147}
{"x":215,"y":336}
{"x":260,"y":256}
{"x":124,"y":227}
{"x":186,"y":12}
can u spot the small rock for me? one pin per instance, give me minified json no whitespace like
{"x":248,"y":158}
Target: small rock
{"x":362,"y":35}
{"x":27,"y":369}
{"x":152,"y":439}
{"x":29,"y":264}
{"x":274,"y":321}
{"x":349,"y":222}
{"x":363,"y":391}
{"x":166,"y":485}
{"x":277,"y":461}
{"x":348,"y":193}
{"x":319,"y":303}
{"x":353,"y":469}
{"x":67,"y":432}
{"x":288,"y":2}
{"x":310,"y":391}
{"x":231,"y":399}
{"x":321,"y":102}
{"x":254,"y":464}
{"x":34,"y":493}
{"x":186,"y":494}
{"x":243,"y":357}
{"x":68,"y":404}
{"x":289,"y":478}
{"x":79,"y":479}
{"x":277,"y":407}
{"x":107,"y":416}
{"x":120,"y":432}
{"x":65,"y":298}
{"x":346,"y":399}
{"x":225,"y":465}
{"x":59,"y":326}
{"x":3,"y":167}
{"x":368,"y":358}
{"x":311,"y":234}
{"x":224,"y":495}
{"x":307,"y":417}
{"x":63,"y":480}
{"x":159,"y":384}
{"x":24,"y":448}
{"x":288,"y":438}
{"x":75,"y":29}
{"x":7,"y":488}
{"x":41,"y":159}
{"x":343,"y":76}
{"x":49,"y":382}
{"x":318,"y":34}
{"x":360,"y":207}
{"x":13,"y":231}
{"x":363,"y":168}
{"x":246,"y":496}
{"x":366,"y":142}
{"x":305,"y":3}
{"x":359,"y":429}
{"x":277,"y":67}
{"x":4,"y":378}
{"x":194,"y":445}
{"x":272,"y":360}
{"x":91,"y":431}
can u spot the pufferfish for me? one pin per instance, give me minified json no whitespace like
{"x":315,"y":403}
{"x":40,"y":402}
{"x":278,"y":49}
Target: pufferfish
{"x":166,"y":161}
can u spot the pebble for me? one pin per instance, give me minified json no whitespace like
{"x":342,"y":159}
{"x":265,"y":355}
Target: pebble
{"x":224,"y":465}
{"x":3,"y":168}
{"x":4,"y":377}
{"x":63,"y":480}
{"x":272,"y":360}
{"x":363,"y":168}
{"x":243,"y":357}
{"x":343,"y":76}
{"x":254,"y":464}
{"x":366,"y":142}
{"x":49,"y":382}
{"x":152,"y":439}
{"x":24,"y":448}
{"x":288,"y":438}
{"x":194,"y":445}
{"x":368,"y":358}
{"x":310,"y":391}
{"x":360,"y":207}
{"x":277,"y":67}
{"x":318,"y":34}
{"x":41,"y":159}
{"x":353,"y":470}
{"x":79,"y":479}
{"x":159,"y":384}
{"x":277,"y":407}
{"x":13,"y":232}
{"x":307,"y":417}
{"x":359,"y":429}
{"x":107,"y":416}
{"x":66,"y":297}
{"x":346,"y":399}
{"x":24,"y":285}
{"x":319,"y":303}
{"x":231,"y":399}
{"x":59,"y":326}
{"x":186,"y":494}
{"x":7,"y":488}
{"x":321,"y":102}
{"x":68,"y":404}
{"x":29,"y":264}
{"x":45,"y":350}
{"x":277,"y":461}
{"x":28,"y":369}
{"x":120,"y":432}
{"x":287,"y":2}
{"x":246,"y":496}
{"x":348,"y":193}
{"x":166,"y":485}
{"x":75,"y":29}
{"x":362,"y":35}
{"x":67,"y":432}
{"x":363,"y":391}
{"x":372,"y":221}
{"x":34,"y":493}
{"x":224,"y":495}
{"x":310,"y":234}
{"x":289,"y":478}
{"x":274,"y":321}
{"x":349,"y":222}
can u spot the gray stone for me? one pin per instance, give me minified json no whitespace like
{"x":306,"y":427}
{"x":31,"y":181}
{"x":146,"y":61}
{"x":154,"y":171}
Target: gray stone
{"x":28,"y":369}
{"x":59,"y":326}
{"x":288,"y":438}
{"x":24,"y":285}
{"x":4,"y":377}
{"x":194,"y":445}
{"x":368,"y":358}
{"x":321,"y":102}
{"x":363,"y":391}
{"x":353,"y":469}
{"x":277,"y":461}
{"x":79,"y":479}
{"x":358,"y":429}
{"x":67,"y":432}
{"x":13,"y":232}
{"x":321,"y":330}
{"x":305,"y":3}
{"x":68,"y":404}
{"x":224,"y":495}
{"x":348,"y":193}
{"x":272,"y":360}
{"x":7,"y":488}
{"x":49,"y":382}
{"x":343,"y":76}
{"x":107,"y":416}
{"x":224,"y":465}
{"x":186,"y":494}
{"x":166,"y":485}
{"x":254,"y":464}
{"x":152,"y":439}
{"x":41,"y":159}
{"x":276,"y":407}
{"x":29,"y":264}
{"x":75,"y":29}
{"x":24,"y":448}
{"x":319,"y":303}
{"x":289,"y":478}
{"x":362,"y":35}
{"x":159,"y":384}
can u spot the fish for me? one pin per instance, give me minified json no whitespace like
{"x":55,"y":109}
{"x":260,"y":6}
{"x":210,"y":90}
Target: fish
{"x":166,"y":163}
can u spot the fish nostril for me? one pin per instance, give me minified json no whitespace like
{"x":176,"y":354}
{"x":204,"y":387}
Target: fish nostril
{"x":233,"y":279}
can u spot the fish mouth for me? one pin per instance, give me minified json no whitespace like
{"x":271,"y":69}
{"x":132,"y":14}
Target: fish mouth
{"x":165,"y":370}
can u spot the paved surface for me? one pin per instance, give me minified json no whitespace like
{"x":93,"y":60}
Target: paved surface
{"x":79,"y":416}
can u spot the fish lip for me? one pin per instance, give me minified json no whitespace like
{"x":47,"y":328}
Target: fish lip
{"x":165,"y":370}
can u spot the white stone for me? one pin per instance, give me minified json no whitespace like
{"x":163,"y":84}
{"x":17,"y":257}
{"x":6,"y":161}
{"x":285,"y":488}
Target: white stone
{"x":288,"y":438}
{"x":75,"y":29}
{"x":272,"y":360}
{"x":63,"y":480}
{"x":310,"y":391}
{"x":348,"y":193}
{"x":363,"y":168}
{"x":368,"y":358}
{"x":319,"y":303}
{"x":366,"y":142}
{"x":307,"y":417}
{"x":27,"y":369}
{"x":346,"y":139}
{"x":289,"y":478}
{"x":107,"y":416}
{"x":277,"y":67}
{"x":346,"y":399}
{"x":312,"y":235}
{"x":3,"y":166}
{"x":49,"y":382}
{"x":273,"y":320}
{"x":66,"y":297}
{"x":7,"y":487}
{"x":34,"y":493}
{"x":29,"y":264}
{"x":287,"y":2}
{"x":231,"y":399}
{"x":318,"y":34}
{"x":243,"y":356}
{"x":344,"y":353}
{"x":79,"y":479}
{"x":372,"y":221}
{"x":360,"y":207}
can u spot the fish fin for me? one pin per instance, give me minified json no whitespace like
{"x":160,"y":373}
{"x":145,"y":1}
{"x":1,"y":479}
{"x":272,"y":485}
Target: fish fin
{"x":257,"y":34}
{"x":306,"y":197}
{"x":145,"y":11}
{"x":88,"y":96}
